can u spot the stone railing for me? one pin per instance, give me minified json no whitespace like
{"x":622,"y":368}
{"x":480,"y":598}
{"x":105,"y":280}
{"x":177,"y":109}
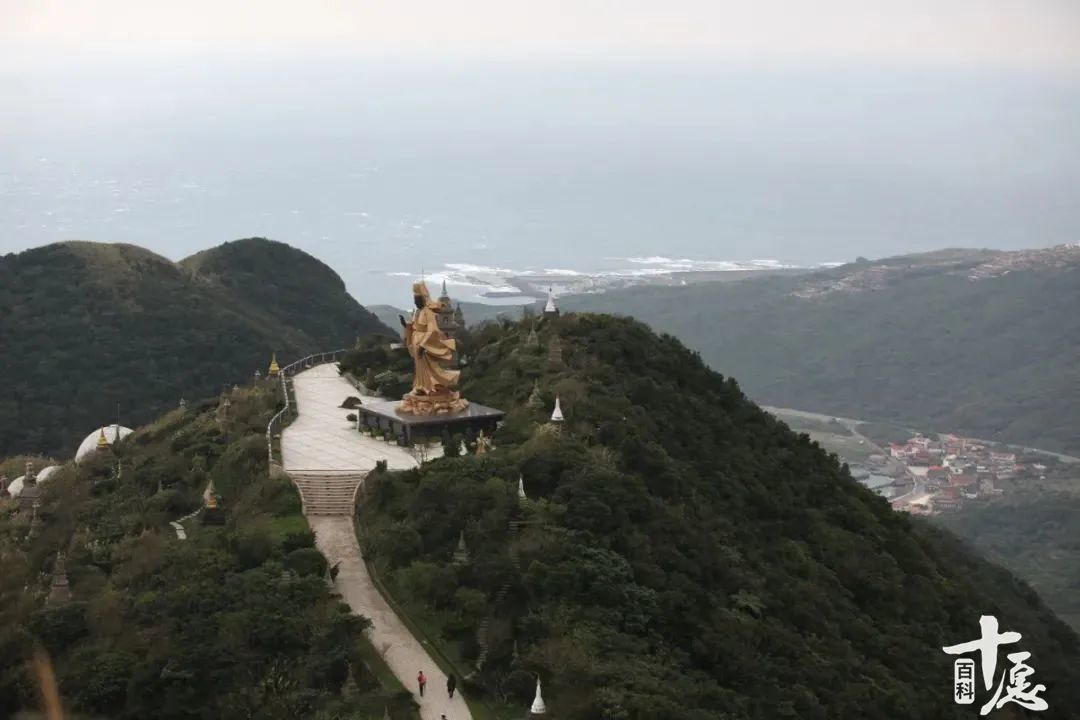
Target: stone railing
{"x":278,"y":422}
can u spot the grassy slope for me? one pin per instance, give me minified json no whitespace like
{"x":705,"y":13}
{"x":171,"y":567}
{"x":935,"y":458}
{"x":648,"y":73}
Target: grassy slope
{"x":687,"y":555}
{"x":87,"y":326}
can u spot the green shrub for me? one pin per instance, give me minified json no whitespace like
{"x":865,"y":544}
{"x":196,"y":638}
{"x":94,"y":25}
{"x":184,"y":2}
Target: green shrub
{"x":431,"y":583}
{"x":254,"y":545}
{"x":470,"y":603}
{"x":451,"y":445}
{"x":59,"y":627}
{"x":99,"y":683}
{"x":298,"y":540}
{"x":306,"y":562}
{"x":279,"y":497}
{"x":398,"y":543}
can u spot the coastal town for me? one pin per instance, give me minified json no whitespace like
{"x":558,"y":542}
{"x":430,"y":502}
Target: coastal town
{"x":927,"y":474}
{"x":933,"y":475}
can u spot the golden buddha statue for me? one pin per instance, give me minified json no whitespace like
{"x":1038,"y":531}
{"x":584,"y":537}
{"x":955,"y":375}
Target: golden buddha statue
{"x":432,"y":351}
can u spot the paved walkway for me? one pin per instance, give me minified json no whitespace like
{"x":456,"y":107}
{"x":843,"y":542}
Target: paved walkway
{"x":321,"y":439}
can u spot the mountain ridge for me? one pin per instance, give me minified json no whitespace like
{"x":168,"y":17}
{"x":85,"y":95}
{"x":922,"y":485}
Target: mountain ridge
{"x":680,"y":553}
{"x":79,"y":321}
{"x":982,"y":346}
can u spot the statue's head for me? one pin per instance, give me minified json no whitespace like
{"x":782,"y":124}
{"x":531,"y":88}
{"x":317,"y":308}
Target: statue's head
{"x":421,"y":296}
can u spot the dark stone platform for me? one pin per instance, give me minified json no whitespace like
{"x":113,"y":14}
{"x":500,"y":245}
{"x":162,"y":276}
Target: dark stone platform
{"x":409,"y":429}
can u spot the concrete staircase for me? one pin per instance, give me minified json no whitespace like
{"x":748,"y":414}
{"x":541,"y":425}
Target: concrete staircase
{"x":327,"y":492}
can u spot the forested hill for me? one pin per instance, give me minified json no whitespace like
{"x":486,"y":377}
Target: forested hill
{"x":294,"y":288}
{"x":974,"y":342}
{"x":234,"y":621}
{"x":1036,"y":535}
{"x":84,"y":326}
{"x":681,"y":554}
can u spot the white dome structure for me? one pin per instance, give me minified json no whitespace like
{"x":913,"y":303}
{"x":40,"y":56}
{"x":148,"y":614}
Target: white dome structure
{"x":89,"y":446}
{"x":16,"y":486}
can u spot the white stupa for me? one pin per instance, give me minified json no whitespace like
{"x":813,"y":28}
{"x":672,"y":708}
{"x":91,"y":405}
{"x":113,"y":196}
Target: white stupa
{"x":111,"y":433}
{"x":521,"y":488}
{"x":556,"y":414}
{"x":16,"y":486}
{"x":549,"y":308}
{"x":538,"y":708}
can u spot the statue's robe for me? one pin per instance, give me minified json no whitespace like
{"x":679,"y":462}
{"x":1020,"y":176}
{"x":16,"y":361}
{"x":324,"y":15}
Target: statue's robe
{"x":432,"y":376}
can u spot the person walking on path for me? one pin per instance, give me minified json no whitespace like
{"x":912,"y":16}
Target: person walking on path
{"x":451,"y":684}
{"x":421,"y":680}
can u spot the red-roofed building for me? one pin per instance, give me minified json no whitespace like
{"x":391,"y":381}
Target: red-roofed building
{"x":962,"y":480}
{"x":920,"y":442}
{"x":919,"y":457}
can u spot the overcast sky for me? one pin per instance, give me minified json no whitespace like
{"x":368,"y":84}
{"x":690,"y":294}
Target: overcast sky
{"x":533,"y":134}
{"x":1027,"y":34}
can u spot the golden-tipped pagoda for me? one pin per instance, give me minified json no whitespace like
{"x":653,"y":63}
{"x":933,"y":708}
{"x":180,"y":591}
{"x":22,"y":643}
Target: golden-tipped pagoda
{"x":210,"y":497}
{"x":212,"y":513}
{"x":273,"y":370}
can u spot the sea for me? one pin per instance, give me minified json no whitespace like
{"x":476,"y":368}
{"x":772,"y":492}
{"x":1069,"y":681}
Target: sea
{"x":478,"y":173}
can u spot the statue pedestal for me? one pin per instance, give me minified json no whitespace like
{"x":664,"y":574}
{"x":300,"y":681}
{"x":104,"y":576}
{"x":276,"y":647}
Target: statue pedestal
{"x":412,"y":427}
{"x":443,"y":403}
